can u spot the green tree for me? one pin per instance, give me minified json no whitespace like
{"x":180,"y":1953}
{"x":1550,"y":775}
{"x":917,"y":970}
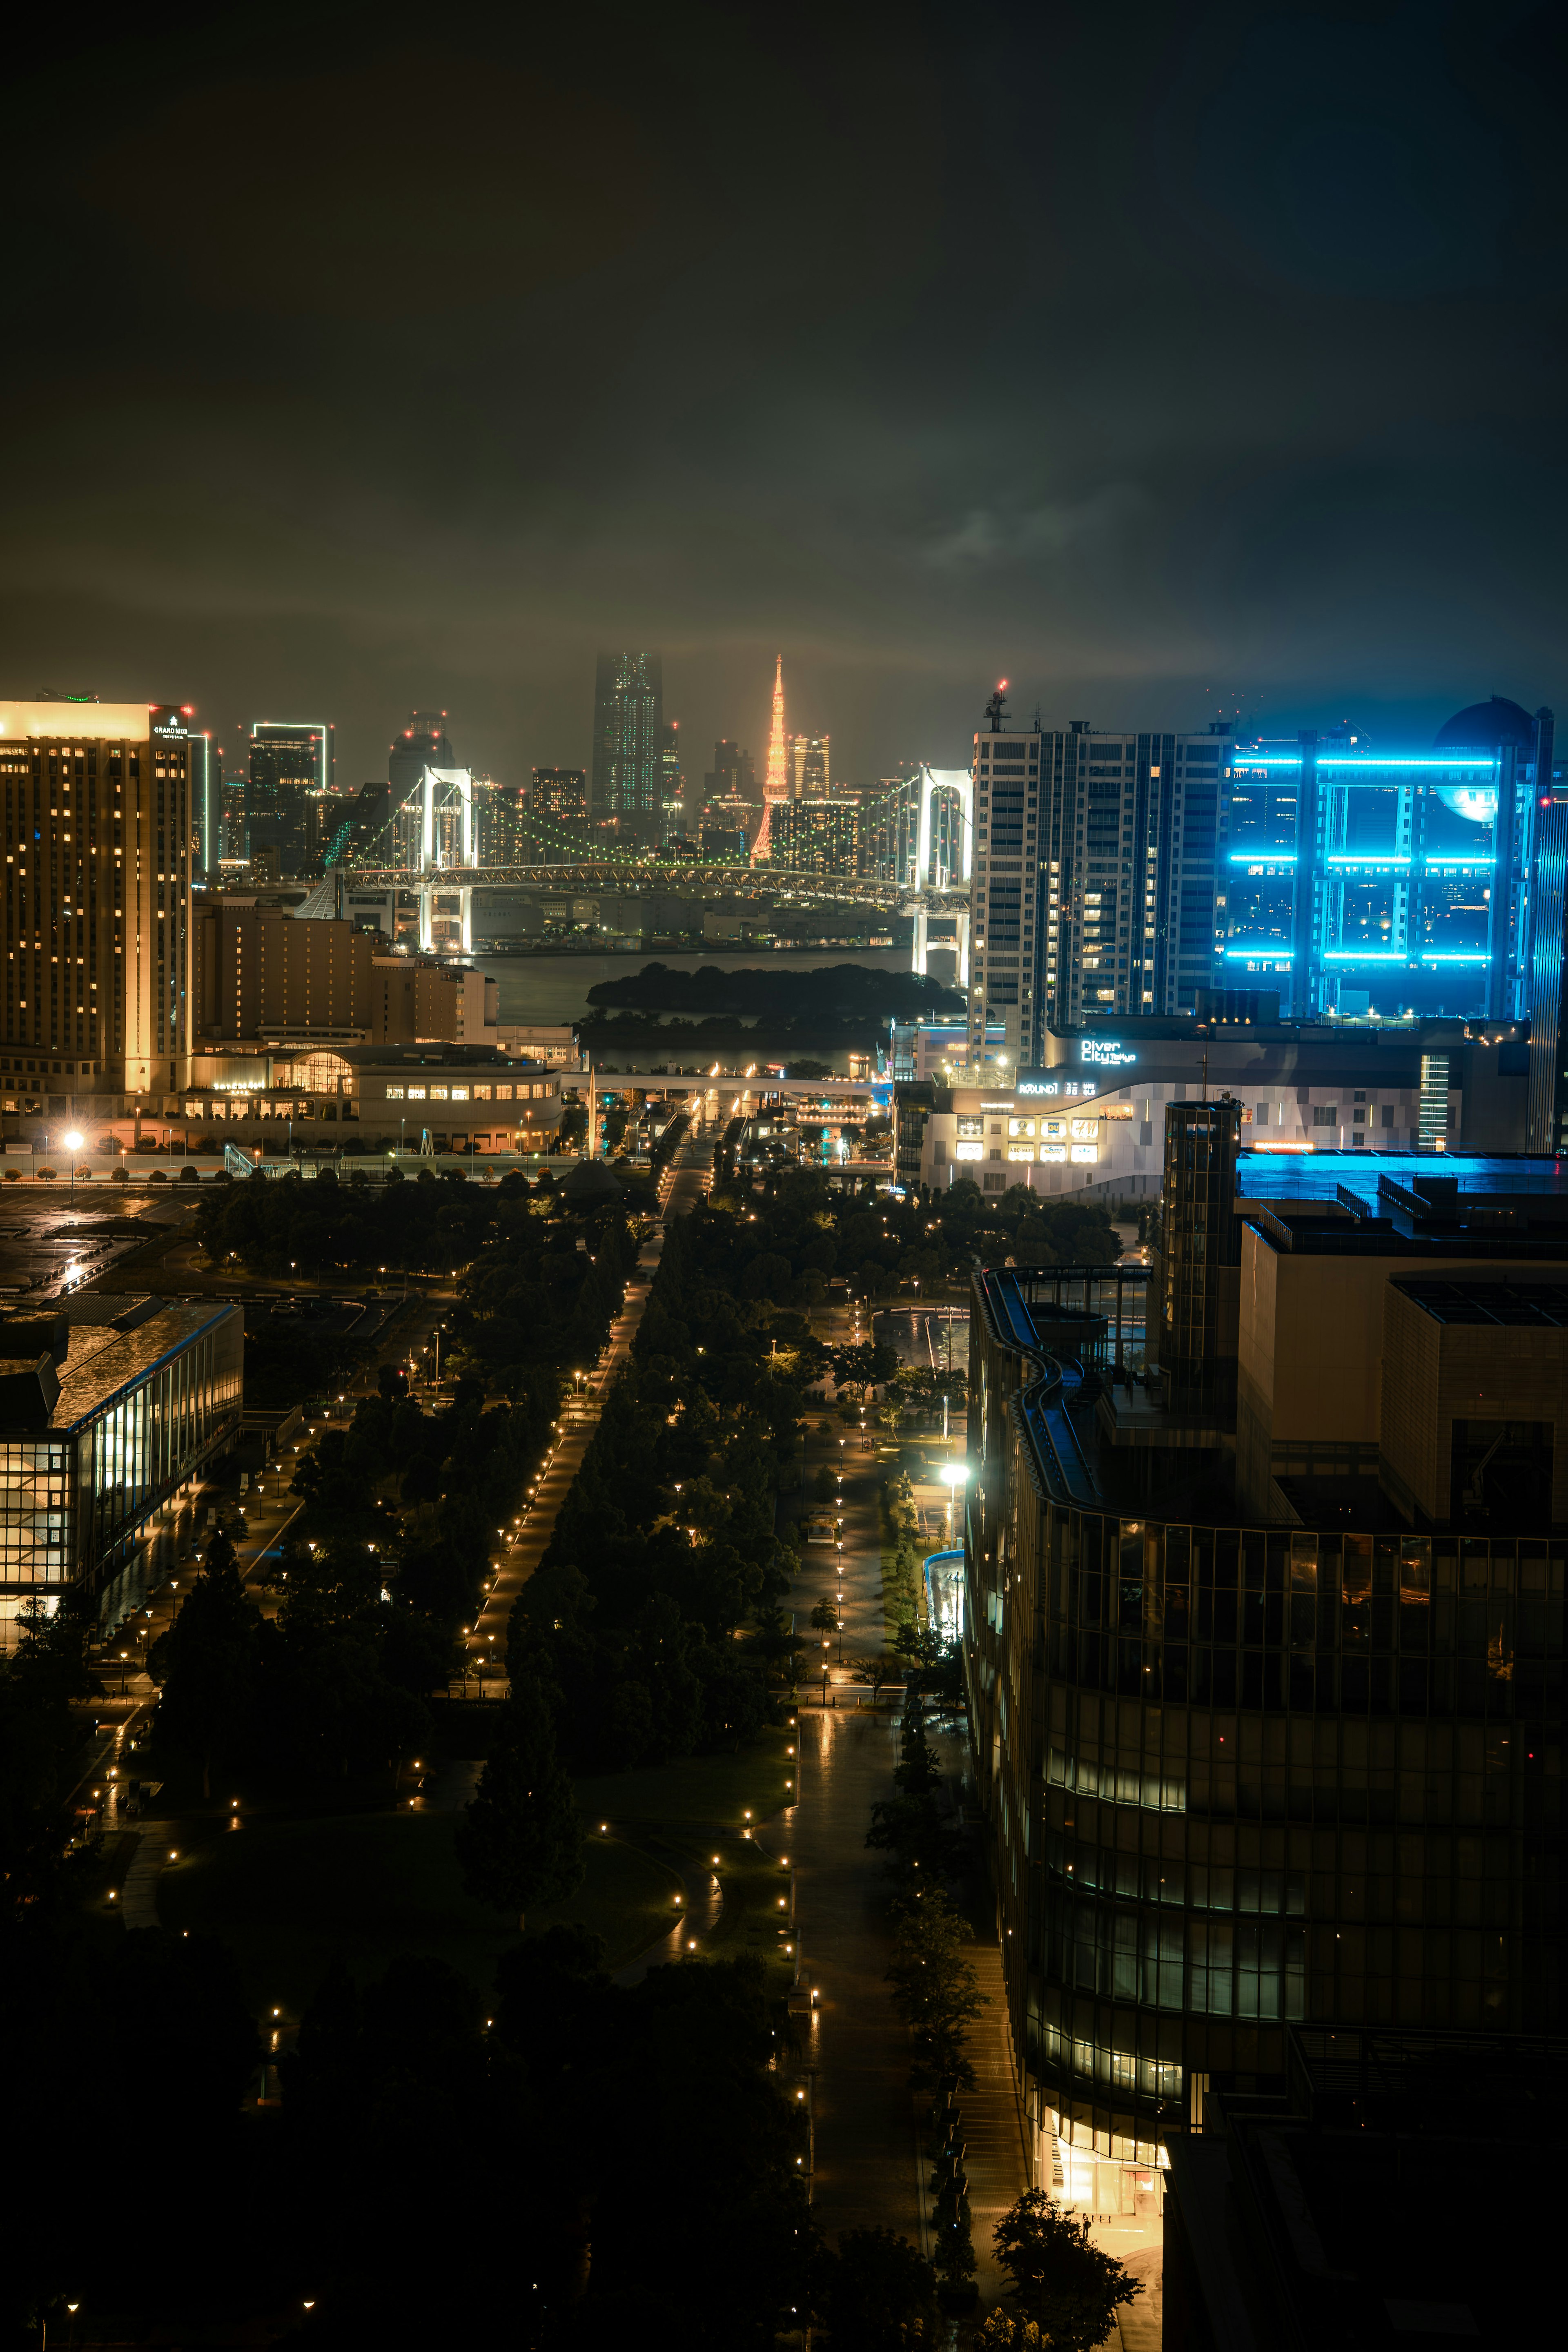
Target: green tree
{"x":520,"y":1840}
{"x":919,"y":1768}
{"x":1003,"y":2333}
{"x":206,"y":1662}
{"x":40,"y":1734}
{"x":935,"y":1989}
{"x":1063,"y":2281}
{"x":825,"y":1485}
{"x":875,"y":1670}
{"x":863,"y":1364}
{"x":877,"y":2294}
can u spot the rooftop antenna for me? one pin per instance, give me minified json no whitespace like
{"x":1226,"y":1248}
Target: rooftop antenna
{"x":997,"y":708}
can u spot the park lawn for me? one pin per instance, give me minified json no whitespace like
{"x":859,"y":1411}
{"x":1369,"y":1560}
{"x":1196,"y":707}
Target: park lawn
{"x":287,"y":1896}
{"x":713,"y":1791}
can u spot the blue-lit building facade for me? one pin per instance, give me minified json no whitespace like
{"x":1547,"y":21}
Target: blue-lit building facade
{"x":1396,"y":879}
{"x":1236,"y":1772}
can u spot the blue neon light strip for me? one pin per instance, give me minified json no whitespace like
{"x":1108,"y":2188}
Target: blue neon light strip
{"x":1367,"y":760}
{"x":1365,"y":955}
{"x":1288,"y":857}
{"x":1270,"y":955}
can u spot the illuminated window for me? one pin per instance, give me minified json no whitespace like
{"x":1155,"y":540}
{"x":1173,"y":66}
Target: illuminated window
{"x":481,"y":1094}
{"x":394,"y":1094}
{"x":416,"y":1094}
{"x":438,"y":1094}
{"x":503,"y":1094}
{"x":460,"y":1094}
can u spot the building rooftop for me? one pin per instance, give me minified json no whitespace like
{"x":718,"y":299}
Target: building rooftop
{"x":1320,"y":1175}
{"x":1529,"y":1305}
{"x":96,"y":1361}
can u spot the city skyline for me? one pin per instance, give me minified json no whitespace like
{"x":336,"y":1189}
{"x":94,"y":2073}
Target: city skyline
{"x":1248,"y":523}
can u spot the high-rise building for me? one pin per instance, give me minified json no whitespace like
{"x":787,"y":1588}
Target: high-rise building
{"x":501,"y":823}
{"x":816,"y":836}
{"x":231,"y":820}
{"x":673,"y":784}
{"x":98,"y":892}
{"x":808,"y":768}
{"x":775,"y":779}
{"x":292,"y":771}
{"x":1363,"y":877}
{"x":204,"y":768}
{"x":424,"y":743}
{"x":360,"y":828}
{"x":890,"y":830}
{"x":1196,"y":1270}
{"x":628,"y":747}
{"x":1094,"y":876}
{"x":557,"y":814}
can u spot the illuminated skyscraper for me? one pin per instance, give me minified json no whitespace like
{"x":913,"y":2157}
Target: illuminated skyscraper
{"x":672,"y":783}
{"x":291,"y":772}
{"x":1094,"y":876}
{"x":809,"y":777}
{"x":776,"y":782}
{"x":817,"y":837}
{"x":558,"y":813}
{"x":97,"y":891}
{"x":629,"y":745}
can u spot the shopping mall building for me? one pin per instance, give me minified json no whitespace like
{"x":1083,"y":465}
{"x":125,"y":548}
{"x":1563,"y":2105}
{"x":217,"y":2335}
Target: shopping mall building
{"x":1093,"y":1118}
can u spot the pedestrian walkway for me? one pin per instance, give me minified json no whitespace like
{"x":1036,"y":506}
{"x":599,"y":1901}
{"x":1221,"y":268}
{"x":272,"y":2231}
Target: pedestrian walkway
{"x":867,"y":2174}
{"x":995,"y":2155}
{"x":139,"y":1896}
{"x":525,"y":1549}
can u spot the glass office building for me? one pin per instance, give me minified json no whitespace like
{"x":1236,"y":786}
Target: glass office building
{"x":1239,"y":1776}
{"x":100,"y":1424}
{"x":1387,"y":878}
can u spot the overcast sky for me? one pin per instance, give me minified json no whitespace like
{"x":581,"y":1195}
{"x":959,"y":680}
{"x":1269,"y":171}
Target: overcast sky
{"x":1170,"y":361}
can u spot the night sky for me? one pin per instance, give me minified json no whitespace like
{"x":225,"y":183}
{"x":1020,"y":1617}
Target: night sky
{"x":1170,"y":361}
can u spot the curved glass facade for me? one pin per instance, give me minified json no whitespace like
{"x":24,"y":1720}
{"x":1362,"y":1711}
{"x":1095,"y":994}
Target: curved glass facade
{"x":1238,"y":1775}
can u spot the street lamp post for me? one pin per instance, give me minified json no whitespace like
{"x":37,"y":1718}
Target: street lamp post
{"x":73,"y":1142}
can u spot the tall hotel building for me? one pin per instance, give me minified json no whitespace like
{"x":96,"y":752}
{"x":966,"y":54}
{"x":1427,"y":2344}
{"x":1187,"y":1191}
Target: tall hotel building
{"x":99,"y":826}
{"x":1094,"y":877}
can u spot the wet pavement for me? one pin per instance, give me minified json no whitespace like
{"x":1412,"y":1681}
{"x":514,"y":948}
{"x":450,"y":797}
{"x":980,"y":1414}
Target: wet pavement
{"x":867,"y":2174}
{"x":869,"y":2170}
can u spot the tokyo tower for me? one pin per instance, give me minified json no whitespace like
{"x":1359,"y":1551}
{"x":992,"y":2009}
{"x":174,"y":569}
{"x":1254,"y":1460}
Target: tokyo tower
{"x":775,"y":782}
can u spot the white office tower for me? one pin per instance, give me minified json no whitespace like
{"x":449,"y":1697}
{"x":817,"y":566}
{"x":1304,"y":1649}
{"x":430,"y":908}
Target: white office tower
{"x":1094,"y":877}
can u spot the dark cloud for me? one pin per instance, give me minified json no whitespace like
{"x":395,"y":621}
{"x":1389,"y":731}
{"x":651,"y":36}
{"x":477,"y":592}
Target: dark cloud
{"x":1167,"y":360}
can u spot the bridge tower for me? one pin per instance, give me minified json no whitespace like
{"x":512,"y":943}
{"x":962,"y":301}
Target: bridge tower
{"x":944,"y":865}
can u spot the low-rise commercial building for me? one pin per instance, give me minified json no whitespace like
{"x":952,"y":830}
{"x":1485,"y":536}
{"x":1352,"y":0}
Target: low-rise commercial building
{"x":1094,"y":1118}
{"x":109,"y":1406}
{"x":371,"y":1097}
